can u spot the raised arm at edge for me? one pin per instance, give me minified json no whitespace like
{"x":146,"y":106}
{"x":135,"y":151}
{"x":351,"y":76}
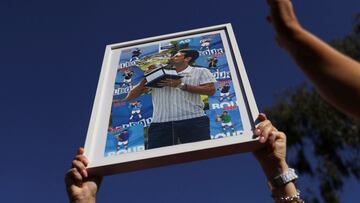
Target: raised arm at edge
{"x":336,"y":76}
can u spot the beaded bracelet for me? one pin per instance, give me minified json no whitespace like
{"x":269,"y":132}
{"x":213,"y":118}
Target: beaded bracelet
{"x":294,"y":198}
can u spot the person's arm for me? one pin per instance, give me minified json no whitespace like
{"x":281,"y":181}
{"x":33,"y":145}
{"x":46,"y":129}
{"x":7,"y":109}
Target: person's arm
{"x":204,"y":89}
{"x":272,"y":157}
{"x":336,"y":76}
{"x":80,"y":187}
{"x":137,"y":91}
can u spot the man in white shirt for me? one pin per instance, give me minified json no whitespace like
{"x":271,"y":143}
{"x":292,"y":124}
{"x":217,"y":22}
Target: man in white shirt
{"x":178,"y":114}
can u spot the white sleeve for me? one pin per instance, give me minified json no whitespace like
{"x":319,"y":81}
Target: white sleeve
{"x":206,"y":77}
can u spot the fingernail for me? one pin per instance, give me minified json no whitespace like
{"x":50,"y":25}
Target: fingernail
{"x":262,"y":139}
{"x":85,"y":173}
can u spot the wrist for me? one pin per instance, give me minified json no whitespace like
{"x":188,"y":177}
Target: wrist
{"x":283,"y":187}
{"x":274,"y":169}
{"x":292,"y":29}
{"x":182,"y":86}
{"x":83,"y":199}
{"x":294,"y":38}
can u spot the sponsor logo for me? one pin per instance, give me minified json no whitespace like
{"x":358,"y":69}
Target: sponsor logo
{"x":144,"y":122}
{"x":215,"y":52}
{"x":127,"y":64}
{"x":122,"y":90}
{"x":224,"y":105}
{"x":228,"y":134}
{"x":129,"y":150}
{"x":220,"y":75}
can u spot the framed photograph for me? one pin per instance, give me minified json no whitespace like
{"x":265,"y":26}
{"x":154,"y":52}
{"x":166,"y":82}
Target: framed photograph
{"x":170,"y":99}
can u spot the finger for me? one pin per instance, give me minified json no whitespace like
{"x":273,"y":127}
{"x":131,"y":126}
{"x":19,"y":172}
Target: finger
{"x":262,"y":139}
{"x":73,"y":176}
{"x":265,"y":123}
{"x":170,"y":81}
{"x":151,"y":67}
{"x":269,"y":136}
{"x":260,"y":127}
{"x":265,"y":133}
{"x":80,"y":151}
{"x":267,"y":129}
{"x":162,"y":82}
{"x":78,"y":179}
{"x":257,"y":132}
{"x":80,"y":167}
{"x":83,"y":159}
{"x":262,"y":124}
{"x":68,"y":177}
{"x":272,"y":138}
{"x":165,"y":81}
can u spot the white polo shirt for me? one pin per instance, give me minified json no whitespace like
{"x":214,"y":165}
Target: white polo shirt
{"x":174,"y":104}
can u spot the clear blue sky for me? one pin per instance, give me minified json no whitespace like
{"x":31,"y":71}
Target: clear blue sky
{"x":51,"y":54}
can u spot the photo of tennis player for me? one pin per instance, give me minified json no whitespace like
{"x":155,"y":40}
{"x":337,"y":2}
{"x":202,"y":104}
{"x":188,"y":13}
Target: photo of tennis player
{"x":225,"y":92}
{"x":212,"y":62}
{"x":135,"y":109}
{"x":135,"y":55}
{"x":123,"y":139}
{"x":127,"y":77}
{"x":205,"y":44}
{"x":225,"y":120}
{"x":196,"y":105}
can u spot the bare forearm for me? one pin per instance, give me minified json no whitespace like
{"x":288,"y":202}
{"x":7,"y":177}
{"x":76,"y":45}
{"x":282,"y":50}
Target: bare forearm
{"x":335,"y":75}
{"x":136,"y":92}
{"x":203,"y":90}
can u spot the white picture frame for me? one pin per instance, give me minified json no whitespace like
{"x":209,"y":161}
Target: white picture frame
{"x":99,"y":147}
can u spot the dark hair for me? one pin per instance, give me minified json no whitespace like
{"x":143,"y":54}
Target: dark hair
{"x":190,"y":53}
